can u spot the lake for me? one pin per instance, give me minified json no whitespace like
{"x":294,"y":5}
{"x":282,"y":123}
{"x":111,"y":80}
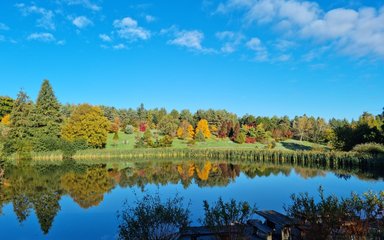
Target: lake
{"x":80,"y":201}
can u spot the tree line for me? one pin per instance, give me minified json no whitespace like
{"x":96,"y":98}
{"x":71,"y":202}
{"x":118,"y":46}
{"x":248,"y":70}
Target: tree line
{"x":46,"y":125}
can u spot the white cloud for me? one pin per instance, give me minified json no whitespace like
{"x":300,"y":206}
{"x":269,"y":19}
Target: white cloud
{"x":43,"y":37}
{"x":46,"y":19}
{"x":225,"y":35}
{"x":61,"y":42}
{"x":3,"y":27}
{"x":82,"y":22}
{"x":284,"y":45}
{"x":255,"y":45}
{"x":105,"y":38}
{"x":150,"y":18}
{"x":284,"y":58}
{"x":231,"y":40}
{"x":353,"y":32}
{"x":188,"y":39}
{"x":85,"y":3}
{"x":128,"y":28}
{"x":119,"y":46}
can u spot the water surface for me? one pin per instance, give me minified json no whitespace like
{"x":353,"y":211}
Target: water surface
{"x":79,"y":201}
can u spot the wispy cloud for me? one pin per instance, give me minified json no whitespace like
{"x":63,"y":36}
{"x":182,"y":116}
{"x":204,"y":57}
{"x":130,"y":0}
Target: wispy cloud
{"x":85,"y":3}
{"x":261,"y":53}
{"x":190,"y":39}
{"x":353,"y":32}
{"x":82,"y":22}
{"x":42,"y":37}
{"x":230,"y":40}
{"x":46,"y":16}
{"x":119,"y":46}
{"x":128,"y":28}
{"x":105,"y":38}
{"x":3,"y":27}
{"x":150,"y":18}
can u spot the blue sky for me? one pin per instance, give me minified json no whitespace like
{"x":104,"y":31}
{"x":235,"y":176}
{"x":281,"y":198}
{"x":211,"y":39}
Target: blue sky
{"x":263,"y":57}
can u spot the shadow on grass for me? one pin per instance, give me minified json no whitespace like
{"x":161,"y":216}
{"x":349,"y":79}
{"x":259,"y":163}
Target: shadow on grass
{"x":295,"y":146}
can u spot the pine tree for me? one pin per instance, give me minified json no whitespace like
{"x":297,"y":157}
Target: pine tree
{"x":46,"y":118}
{"x":19,"y":138}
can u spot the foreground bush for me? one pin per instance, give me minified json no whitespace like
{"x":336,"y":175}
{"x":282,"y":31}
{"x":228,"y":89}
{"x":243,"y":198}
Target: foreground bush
{"x":226,"y":214}
{"x":356,"y":217}
{"x":151,"y":219}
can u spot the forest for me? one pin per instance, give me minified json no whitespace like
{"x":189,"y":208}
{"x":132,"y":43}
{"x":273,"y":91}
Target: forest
{"x":47,"y":125}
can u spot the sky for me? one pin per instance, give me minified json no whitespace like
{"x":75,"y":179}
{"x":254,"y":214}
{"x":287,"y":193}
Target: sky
{"x":262,"y":57}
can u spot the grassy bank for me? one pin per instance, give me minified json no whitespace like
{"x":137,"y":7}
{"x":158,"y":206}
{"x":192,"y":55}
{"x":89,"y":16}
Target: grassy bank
{"x":321,"y":158}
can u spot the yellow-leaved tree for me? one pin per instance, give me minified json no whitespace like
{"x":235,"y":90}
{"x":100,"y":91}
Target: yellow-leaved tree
{"x":6,"y":120}
{"x":203,"y":126}
{"x":87,"y":122}
{"x":185,"y":130}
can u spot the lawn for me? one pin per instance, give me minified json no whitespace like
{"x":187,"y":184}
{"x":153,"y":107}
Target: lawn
{"x":128,"y":141}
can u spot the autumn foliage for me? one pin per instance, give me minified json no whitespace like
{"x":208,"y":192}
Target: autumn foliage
{"x":185,"y":131}
{"x":6,"y":120}
{"x":203,"y":126}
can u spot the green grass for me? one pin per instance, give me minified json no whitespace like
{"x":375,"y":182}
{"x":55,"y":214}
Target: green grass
{"x":128,"y":141}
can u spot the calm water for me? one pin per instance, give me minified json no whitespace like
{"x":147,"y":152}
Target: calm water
{"x":73,"y":201}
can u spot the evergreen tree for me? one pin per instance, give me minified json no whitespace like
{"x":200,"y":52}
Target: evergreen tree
{"x":47,"y":117}
{"x":19,"y":138}
{"x":6,"y":104}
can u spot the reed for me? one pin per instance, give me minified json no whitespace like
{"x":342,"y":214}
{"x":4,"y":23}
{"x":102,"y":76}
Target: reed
{"x":330,"y":159}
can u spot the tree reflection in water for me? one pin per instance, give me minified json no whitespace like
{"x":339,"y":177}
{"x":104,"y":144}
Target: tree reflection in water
{"x":39,"y":187}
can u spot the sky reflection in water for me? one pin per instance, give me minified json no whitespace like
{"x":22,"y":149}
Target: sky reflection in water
{"x":81,"y":202}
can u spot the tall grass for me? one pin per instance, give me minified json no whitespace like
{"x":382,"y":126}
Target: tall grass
{"x":326,"y":159}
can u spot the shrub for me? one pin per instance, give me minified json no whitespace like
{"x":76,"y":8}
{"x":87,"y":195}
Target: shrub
{"x":250,"y":140}
{"x":372,"y":148}
{"x":151,"y":219}
{"x":240,"y":139}
{"x":129,"y":129}
{"x":166,"y":141}
{"x":222,"y":215}
{"x":69,"y":148}
{"x":327,"y":218}
{"x":200,"y":137}
{"x":47,"y":144}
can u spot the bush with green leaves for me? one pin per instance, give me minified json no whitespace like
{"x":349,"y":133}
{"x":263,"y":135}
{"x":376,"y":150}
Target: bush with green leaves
{"x":200,"y":137}
{"x":166,"y":141}
{"x":129,"y":129}
{"x":240,"y":138}
{"x":225,"y":214}
{"x":69,"y":148}
{"x":151,"y":219}
{"x":372,"y":148}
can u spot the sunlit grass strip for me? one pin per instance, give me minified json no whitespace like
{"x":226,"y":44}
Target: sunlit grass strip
{"x":330,"y":159}
{"x":296,"y":157}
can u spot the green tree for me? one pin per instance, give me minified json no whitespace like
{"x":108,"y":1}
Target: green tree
{"x":19,"y":137}
{"x":302,"y":127}
{"x":46,"y":118}
{"x":168,"y":125}
{"x":87,"y":122}
{"x":6,"y":104}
